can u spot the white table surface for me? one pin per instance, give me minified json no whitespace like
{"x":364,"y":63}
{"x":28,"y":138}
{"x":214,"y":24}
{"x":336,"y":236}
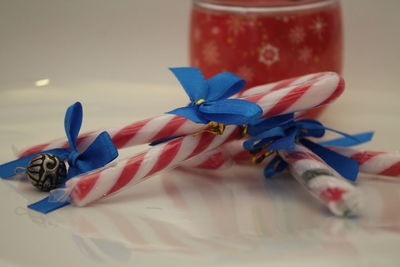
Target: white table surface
{"x":181,"y":218}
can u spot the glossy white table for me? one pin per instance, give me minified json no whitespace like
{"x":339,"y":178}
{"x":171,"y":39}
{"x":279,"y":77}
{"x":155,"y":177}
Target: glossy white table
{"x":188,"y":218}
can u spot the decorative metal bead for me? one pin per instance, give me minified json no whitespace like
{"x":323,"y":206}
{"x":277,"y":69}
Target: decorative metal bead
{"x":46,"y":171}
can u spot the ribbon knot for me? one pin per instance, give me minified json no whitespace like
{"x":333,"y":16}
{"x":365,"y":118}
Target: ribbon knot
{"x":100,"y":152}
{"x":73,"y":158}
{"x":208,"y":98}
{"x":284,"y":131}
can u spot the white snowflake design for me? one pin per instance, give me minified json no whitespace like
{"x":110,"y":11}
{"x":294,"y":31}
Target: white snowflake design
{"x":210,"y":53}
{"x":284,"y":19}
{"x":252,"y":21}
{"x":318,"y":26}
{"x":236,"y":25}
{"x":246,"y":73}
{"x":305,"y":54}
{"x":269,"y":54}
{"x":215,"y":30}
{"x":297,"y":35}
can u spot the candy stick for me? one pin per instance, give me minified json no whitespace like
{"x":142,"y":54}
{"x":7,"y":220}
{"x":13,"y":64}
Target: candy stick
{"x":265,"y":88}
{"x":320,"y":91}
{"x":341,"y":197}
{"x":313,"y":93}
{"x":238,"y":154}
{"x":98,"y":184}
{"x":320,"y":180}
{"x":141,"y":132}
{"x":373,"y":162}
{"x":215,"y":159}
{"x":221,"y":157}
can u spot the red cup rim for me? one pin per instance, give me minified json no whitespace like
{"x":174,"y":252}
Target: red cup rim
{"x":263,"y":5}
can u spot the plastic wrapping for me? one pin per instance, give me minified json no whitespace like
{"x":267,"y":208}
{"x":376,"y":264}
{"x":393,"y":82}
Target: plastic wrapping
{"x":334,"y":191}
{"x":98,"y":184}
{"x":370,"y":162}
{"x":340,"y":196}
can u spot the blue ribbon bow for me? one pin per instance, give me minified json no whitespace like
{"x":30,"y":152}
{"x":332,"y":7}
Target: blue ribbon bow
{"x":98,"y":154}
{"x":208,"y":98}
{"x":284,"y":131}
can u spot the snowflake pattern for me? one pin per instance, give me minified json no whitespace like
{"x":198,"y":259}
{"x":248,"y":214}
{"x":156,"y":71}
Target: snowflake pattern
{"x":305,"y":54}
{"x":297,"y":35}
{"x":284,"y":19}
{"x":261,"y":48}
{"x":332,"y":194}
{"x":235,"y":25}
{"x":269,"y":54}
{"x":210,"y":53}
{"x":318,"y":26}
{"x":215,"y":30}
{"x":252,"y":21}
{"x":246,"y":73}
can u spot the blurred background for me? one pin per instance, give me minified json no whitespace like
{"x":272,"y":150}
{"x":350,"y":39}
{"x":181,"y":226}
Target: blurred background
{"x":136,"y":41}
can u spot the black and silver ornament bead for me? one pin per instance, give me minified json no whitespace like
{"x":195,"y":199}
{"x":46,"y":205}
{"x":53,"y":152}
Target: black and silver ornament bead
{"x":46,"y":171}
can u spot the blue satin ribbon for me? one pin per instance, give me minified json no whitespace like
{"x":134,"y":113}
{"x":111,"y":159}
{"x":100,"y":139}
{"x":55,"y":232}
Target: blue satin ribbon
{"x":283,"y":132}
{"x":208,"y":98}
{"x":98,"y":154}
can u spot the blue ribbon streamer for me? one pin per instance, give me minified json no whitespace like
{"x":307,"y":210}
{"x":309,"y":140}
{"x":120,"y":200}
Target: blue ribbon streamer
{"x":98,"y":154}
{"x":208,"y":98}
{"x":283,"y":132}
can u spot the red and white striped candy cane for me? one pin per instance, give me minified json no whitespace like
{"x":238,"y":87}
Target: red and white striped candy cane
{"x":215,"y":159}
{"x":340,"y":196}
{"x":137,"y":133}
{"x":269,"y":87}
{"x":320,"y":180}
{"x":221,"y":157}
{"x":373,"y":162}
{"x":233,"y":152}
{"x":98,"y":184}
{"x":312,"y":93}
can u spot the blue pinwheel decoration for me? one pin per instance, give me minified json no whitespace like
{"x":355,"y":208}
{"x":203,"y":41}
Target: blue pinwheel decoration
{"x":98,"y":154}
{"x":284,"y":131}
{"x":209,"y":101}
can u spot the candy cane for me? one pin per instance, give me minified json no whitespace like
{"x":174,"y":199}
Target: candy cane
{"x":308,"y":169}
{"x":98,"y":184}
{"x":373,"y":162}
{"x":221,"y":157}
{"x":320,"y":180}
{"x":311,"y":93}
{"x":341,"y":197}
{"x":215,"y":159}
{"x":319,"y":91}
{"x":283,"y":84}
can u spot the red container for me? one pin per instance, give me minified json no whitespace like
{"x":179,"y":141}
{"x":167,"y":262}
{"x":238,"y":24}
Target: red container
{"x":266,"y":40}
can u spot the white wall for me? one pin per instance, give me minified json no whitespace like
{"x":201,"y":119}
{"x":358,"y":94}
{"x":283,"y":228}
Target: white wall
{"x":80,"y":40}
{"x":372,"y":44}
